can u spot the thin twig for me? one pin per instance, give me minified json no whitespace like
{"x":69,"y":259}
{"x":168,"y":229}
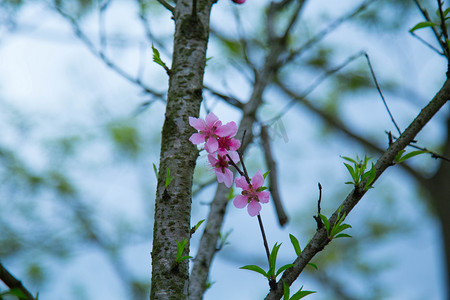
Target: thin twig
{"x":427,"y":18}
{"x":427,"y":44}
{"x":330,"y":28}
{"x":444,"y":43}
{"x":263,"y":233}
{"x":102,"y":56}
{"x":167,"y":5}
{"x":317,"y":218}
{"x":228,"y":99}
{"x":433,"y":154}
{"x":381,"y":94}
{"x":314,"y":85}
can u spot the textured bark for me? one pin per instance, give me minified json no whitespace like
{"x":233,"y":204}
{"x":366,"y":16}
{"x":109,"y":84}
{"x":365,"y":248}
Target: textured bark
{"x":320,"y":239}
{"x":439,"y":187}
{"x":173,"y":204}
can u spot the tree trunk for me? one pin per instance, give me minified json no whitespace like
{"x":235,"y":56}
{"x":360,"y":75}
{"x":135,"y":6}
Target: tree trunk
{"x":173,"y":203}
{"x":439,"y":187}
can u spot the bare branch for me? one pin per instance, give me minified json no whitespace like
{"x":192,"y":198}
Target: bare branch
{"x":381,"y":94}
{"x":314,"y":85}
{"x":330,"y":28}
{"x":427,"y":18}
{"x":433,"y":154}
{"x":167,"y":5}
{"x":273,"y":177}
{"x":228,"y":99}
{"x":102,"y":56}
{"x":427,"y":44}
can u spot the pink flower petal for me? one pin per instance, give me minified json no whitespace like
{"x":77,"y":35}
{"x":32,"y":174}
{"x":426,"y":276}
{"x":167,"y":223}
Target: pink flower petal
{"x":240,"y":201}
{"x":238,"y":1}
{"x":228,"y":178}
{"x":212,"y":160}
{"x":211,"y":145}
{"x":210,"y":119}
{"x":235,"y":144}
{"x":253,"y":208}
{"x":234,"y":156}
{"x":220,"y":176}
{"x":257,"y":180}
{"x":197,"y":123}
{"x":229,"y":130}
{"x":241,"y":183}
{"x":264,"y":196}
{"x":197,"y":138}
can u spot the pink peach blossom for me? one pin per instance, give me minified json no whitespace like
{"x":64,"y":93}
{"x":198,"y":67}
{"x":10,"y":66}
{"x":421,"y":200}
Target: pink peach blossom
{"x":221,"y":164}
{"x":209,"y":130}
{"x":252,"y":194}
{"x":238,"y":1}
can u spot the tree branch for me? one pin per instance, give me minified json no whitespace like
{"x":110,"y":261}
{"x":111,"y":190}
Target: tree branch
{"x":273,"y":177}
{"x":320,"y":239}
{"x":13,"y":283}
{"x":102,"y":56}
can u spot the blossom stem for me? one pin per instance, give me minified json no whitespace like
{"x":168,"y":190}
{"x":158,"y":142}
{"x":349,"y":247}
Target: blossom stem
{"x":235,"y":166}
{"x":264,"y":237}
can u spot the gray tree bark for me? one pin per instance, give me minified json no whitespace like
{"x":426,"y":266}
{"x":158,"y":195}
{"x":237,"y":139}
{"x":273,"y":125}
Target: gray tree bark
{"x":173,"y":204}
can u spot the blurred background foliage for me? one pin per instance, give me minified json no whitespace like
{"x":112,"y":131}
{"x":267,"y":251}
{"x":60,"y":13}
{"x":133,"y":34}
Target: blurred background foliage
{"x":69,"y":188}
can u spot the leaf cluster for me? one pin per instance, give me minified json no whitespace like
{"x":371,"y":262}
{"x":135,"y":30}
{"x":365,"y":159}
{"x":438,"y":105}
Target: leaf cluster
{"x":271,"y":275}
{"x":335,"y":230}
{"x":358,"y":171}
{"x":180,"y":249}
{"x":399,"y":158}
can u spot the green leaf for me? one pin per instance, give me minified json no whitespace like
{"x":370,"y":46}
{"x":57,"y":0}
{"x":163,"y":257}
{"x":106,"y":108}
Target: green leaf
{"x":286,"y":291}
{"x":14,"y":292}
{"x":300,"y":294}
{"x":168,"y":178}
{"x":156,"y":171}
{"x":423,"y":25}
{"x":446,"y":12}
{"x":296,"y":244}
{"x":370,"y":177}
{"x":351,"y":170}
{"x":343,"y":235}
{"x":325,"y":221}
{"x":411,"y":154}
{"x":230,"y":193}
{"x":273,"y":258}
{"x":280,"y":270}
{"x":399,"y":154}
{"x":198,"y":224}
{"x":265,"y":174}
{"x":349,"y":159}
{"x":262,"y":188}
{"x":184,"y":257}
{"x":313,"y":265}
{"x":340,"y":228}
{"x":180,"y":249}
{"x":157,"y":59}
{"x":256,"y":269}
